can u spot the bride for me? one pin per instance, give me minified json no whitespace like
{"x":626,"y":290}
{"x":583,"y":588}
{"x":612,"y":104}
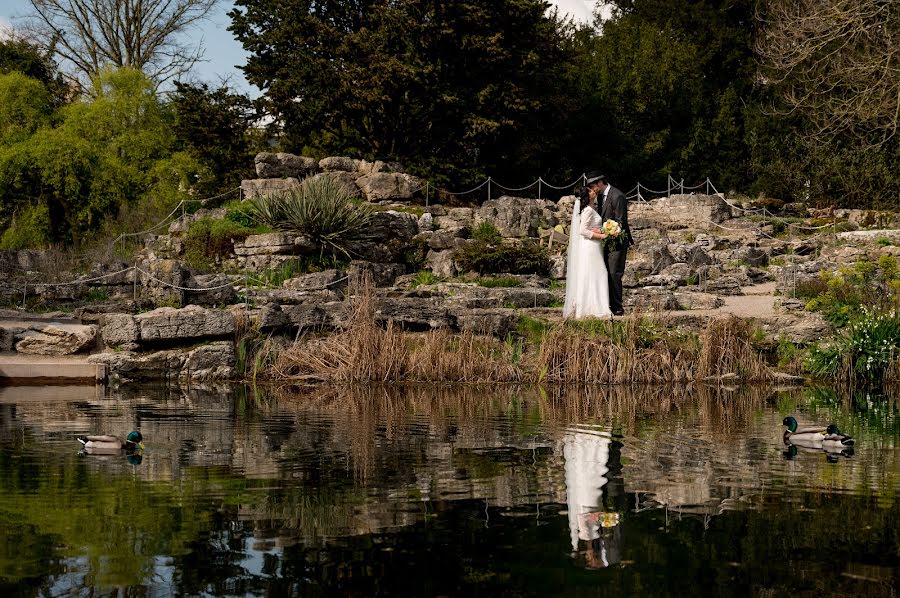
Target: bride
{"x":587,"y":285}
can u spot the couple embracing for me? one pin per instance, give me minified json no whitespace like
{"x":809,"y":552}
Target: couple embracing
{"x":598,"y":245}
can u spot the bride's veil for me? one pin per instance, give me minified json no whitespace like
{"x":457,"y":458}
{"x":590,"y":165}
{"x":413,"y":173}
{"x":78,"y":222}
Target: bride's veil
{"x":572,"y":261}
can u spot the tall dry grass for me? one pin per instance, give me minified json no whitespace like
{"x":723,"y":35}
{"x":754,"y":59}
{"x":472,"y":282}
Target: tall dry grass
{"x":726,"y":348}
{"x":639,"y":350}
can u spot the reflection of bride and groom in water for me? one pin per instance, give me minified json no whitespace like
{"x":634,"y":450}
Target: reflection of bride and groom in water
{"x":595,"y":493}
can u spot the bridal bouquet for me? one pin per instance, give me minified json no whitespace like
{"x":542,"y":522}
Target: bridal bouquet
{"x":615,"y":236}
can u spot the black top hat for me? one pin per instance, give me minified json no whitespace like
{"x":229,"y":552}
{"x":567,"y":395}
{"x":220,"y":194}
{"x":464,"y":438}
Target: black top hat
{"x":594,"y":176}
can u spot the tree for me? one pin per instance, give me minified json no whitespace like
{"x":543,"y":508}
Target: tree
{"x":106,"y":154}
{"x":24,"y":107}
{"x":216,"y":126}
{"x":19,"y":55}
{"x":147,"y":35}
{"x":835,"y":62}
{"x":448,"y":87}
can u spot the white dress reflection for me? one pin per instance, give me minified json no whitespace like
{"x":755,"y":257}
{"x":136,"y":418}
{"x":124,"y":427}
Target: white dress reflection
{"x":593,"y":526}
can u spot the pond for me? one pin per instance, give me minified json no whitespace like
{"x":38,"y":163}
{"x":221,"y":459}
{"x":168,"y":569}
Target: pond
{"x":431,"y":490}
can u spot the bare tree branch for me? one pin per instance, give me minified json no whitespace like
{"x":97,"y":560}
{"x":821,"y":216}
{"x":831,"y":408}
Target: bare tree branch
{"x":837,"y":62}
{"x":149,"y":35}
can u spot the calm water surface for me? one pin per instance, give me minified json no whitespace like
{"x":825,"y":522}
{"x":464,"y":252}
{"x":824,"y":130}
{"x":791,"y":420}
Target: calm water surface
{"x":433,"y":491}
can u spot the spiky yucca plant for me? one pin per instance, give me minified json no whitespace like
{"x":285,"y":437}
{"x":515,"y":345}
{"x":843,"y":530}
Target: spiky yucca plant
{"x":322,"y":209}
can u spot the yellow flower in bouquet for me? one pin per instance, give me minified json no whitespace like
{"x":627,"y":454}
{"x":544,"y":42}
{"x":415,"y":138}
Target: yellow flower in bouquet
{"x":611,"y":228}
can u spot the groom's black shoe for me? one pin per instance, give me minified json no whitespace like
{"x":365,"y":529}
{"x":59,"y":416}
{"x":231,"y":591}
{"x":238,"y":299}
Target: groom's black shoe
{"x":618,"y":313}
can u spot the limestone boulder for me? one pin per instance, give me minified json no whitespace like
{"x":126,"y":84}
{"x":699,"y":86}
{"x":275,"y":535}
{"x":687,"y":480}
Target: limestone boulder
{"x":339,"y":164}
{"x":253,"y":188}
{"x":558,"y":266}
{"x":497,"y":322}
{"x":213,"y":361}
{"x":344,"y":180}
{"x":693,"y":254}
{"x":441,"y":263}
{"x":388,"y":186}
{"x":392,"y":227}
{"x":164,"y":281}
{"x":383,"y":275}
{"x":220,"y":290}
{"x":444,"y":239}
{"x":283,"y":165}
{"x":517,"y":217}
{"x":378,"y":166}
{"x":57,"y":340}
{"x":278,"y":243}
{"x":316,"y":316}
{"x":170,"y":325}
{"x":334,"y":280}
{"x":414,"y":314}
{"x":120,"y":331}
{"x":698,"y":300}
{"x":426,"y":223}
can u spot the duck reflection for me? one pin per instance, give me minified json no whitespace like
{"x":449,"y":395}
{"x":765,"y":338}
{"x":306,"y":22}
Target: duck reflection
{"x":831,"y":455}
{"x":595,"y":495}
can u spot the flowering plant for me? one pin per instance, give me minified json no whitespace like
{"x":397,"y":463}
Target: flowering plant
{"x":615,"y":236}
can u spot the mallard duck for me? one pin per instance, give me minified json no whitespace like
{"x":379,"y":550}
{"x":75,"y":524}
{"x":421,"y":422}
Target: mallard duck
{"x":809,"y":435}
{"x":835,"y":439}
{"x":112,"y":444}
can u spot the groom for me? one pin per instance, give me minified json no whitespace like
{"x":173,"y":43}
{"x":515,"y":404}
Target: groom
{"x":611,"y":205}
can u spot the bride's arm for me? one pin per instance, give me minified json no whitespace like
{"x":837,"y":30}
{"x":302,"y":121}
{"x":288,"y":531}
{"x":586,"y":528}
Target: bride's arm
{"x":584,"y":227}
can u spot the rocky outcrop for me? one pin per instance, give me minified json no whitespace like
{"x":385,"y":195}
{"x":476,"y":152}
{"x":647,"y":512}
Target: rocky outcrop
{"x":213,"y":361}
{"x":517,"y":217}
{"x":282,"y":165}
{"x":253,"y":188}
{"x":388,"y":186}
{"x":57,"y":340}
{"x":166,"y":324}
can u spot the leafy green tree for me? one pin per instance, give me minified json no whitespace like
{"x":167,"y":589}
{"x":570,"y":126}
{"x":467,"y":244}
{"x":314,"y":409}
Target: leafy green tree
{"x":216,"y":126}
{"x":449,"y":87}
{"x":112,"y":151}
{"x":18,"y":55}
{"x":24,"y":107}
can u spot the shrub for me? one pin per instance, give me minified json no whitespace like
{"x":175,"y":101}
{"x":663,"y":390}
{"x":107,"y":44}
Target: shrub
{"x":487,"y":232}
{"x":488,"y":258}
{"x":496,"y":282}
{"x":207,"y":240}
{"x":29,"y":229}
{"x":424,"y":277}
{"x":322,"y":209}
{"x":840,"y":295}
{"x":867,"y":350}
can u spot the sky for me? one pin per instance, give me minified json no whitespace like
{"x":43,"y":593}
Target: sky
{"x":223,"y":54}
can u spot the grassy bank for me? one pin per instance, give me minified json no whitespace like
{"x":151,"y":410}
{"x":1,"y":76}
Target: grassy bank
{"x":639,"y":350}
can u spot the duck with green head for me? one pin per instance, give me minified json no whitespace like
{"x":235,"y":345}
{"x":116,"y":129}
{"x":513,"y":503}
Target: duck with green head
{"x":827,"y":437}
{"x":108,"y":444}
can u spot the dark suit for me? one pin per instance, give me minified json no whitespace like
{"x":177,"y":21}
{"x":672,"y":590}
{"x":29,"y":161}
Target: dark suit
{"x":615,"y":207}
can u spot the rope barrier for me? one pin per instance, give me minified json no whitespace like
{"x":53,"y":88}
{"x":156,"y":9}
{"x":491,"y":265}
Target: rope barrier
{"x":572,"y":184}
{"x":537,"y":182}
{"x":85,"y":281}
{"x":180,"y":288}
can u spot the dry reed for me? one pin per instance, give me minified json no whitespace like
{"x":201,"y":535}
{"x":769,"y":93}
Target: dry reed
{"x":638,"y":350}
{"x":726,"y":348}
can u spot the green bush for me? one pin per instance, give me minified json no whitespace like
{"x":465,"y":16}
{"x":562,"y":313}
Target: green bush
{"x":425,"y":277}
{"x":487,"y":232}
{"x":513,"y":258}
{"x":498,"y":282}
{"x":841,"y":296}
{"x":29,"y":229}
{"x":322,"y":209}
{"x":865,"y":351}
{"x":241,"y":213}
{"x":207,"y":240}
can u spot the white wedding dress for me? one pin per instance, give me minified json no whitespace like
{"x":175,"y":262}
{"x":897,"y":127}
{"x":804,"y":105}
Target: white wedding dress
{"x":587,"y":286}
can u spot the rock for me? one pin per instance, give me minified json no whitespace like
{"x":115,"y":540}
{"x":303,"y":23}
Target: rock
{"x":441,"y":240}
{"x":271,"y":317}
{"x":655,"y":254}
{"x":441,"y":263}
{"x":54,"y":340}
{"x":378,"y":166}
{"x":489,"y":322}
{"x":517,"y":217}
{"x":253,"y":188}
{"x":287,"y":297}
{"x":316,"y":316}
{"x":751,"y":256}
{"x":723,"y":285}
{"x":557,"y":266}
{"x":214,"y":361}
{"x":339,"y":163}
{"x":167,"y":324}
{"x":392,"y":227}
{"x":345,"y":180}
{"x":164,"y":281}
{"x":274,"y":244}
{"x":8,"y":337}
{"x":120,"y":331}
{"x":334,"y":280}
{"x":693,"y":255}
{"x":698,"y":300}
{"x":383,"y":275}
{"x":282,"y":165}
{"x":426,"y":223}
{"x":384,"y":186}
{"x":870,"y":235}
{"x":803,"y":327}
{"x":455,"y":220}
{"x":221,"y":291}
{"x":413,"y":314}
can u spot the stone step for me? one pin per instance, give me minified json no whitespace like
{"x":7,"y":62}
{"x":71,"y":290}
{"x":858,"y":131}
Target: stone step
{"x":35,"y":369}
